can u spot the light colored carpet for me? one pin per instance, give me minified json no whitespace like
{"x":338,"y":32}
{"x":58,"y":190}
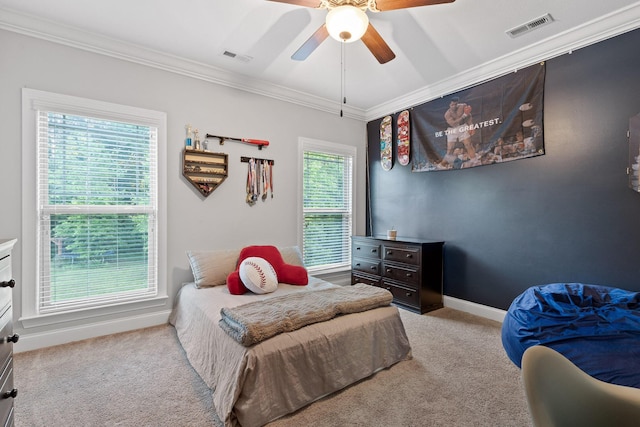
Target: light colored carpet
{"x":459,"y":376}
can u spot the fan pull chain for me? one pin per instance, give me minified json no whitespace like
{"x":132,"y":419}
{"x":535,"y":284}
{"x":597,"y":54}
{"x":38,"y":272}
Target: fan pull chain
{"x":344,"y":73}
{"x":343,"y":98}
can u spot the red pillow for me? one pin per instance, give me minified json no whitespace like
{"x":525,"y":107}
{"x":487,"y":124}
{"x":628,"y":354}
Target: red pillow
{"x":286,"y":273}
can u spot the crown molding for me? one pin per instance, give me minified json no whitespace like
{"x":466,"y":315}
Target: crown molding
{"x":54,"y":32}
{"x":602,"y":28}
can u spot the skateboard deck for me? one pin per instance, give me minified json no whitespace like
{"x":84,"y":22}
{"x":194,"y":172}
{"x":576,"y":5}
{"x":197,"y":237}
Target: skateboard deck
{"x":404,"y":138}
{"x":386,"y":144}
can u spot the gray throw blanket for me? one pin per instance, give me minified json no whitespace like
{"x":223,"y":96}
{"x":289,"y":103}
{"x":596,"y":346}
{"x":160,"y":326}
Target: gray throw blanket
{"x":255,"y":322}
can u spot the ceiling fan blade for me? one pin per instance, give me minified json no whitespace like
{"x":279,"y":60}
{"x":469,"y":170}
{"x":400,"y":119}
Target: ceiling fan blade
{"x":383,"y":5}
{"x":311,"y":44}
{"x":306,"y":3}
{"x":380,"y":49}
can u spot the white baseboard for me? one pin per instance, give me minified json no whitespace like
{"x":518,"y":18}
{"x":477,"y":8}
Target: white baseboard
{"x":474,"y":308}
{"x":39,"y":340}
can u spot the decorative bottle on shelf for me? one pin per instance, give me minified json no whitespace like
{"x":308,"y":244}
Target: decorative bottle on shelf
{"x":196,"y":140}
{"x":188,"y":139}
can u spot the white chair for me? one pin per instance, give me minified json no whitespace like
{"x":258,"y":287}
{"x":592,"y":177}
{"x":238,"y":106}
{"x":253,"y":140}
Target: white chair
{"x":559,"y":394}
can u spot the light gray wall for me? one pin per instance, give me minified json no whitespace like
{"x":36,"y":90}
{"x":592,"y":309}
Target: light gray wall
{"x":223,"y":220}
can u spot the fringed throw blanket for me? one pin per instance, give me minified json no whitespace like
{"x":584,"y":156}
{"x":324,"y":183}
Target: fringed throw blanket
{"x":255,"y":322}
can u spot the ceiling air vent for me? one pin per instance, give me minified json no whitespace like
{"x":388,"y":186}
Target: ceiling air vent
{"x":237,"y":57}
{"x":530,"y":26}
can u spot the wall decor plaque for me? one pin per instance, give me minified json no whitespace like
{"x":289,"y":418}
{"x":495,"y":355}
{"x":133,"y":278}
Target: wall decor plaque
{"x":205,"y":170}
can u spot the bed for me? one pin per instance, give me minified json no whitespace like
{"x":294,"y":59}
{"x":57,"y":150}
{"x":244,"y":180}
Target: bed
{"x":254,"y":385}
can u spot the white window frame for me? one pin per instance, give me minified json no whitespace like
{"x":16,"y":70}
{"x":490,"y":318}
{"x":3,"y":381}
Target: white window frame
{"x":320,"y":146}
{"x":32,"y":101}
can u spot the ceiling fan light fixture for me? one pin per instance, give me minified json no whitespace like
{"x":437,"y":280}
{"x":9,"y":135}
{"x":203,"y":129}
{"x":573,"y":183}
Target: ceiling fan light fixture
{"x":347,"y":23}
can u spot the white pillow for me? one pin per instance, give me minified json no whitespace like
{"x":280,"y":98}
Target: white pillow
{"x":258,"y":275}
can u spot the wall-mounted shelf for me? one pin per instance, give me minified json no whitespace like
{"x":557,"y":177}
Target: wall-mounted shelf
{"x":245,"y":159}
{"x":258,"y":142}
{"x":205,"y":170}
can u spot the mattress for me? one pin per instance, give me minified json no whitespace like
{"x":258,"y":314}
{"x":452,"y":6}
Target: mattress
{"x":252,"y":386}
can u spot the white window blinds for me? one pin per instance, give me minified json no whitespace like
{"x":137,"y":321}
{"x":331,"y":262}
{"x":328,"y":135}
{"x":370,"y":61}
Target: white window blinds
{"x":327,"y":209}
{"x":97,"y":211}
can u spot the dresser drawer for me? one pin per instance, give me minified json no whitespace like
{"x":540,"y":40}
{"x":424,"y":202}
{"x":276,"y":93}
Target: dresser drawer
{"x":6,"y":331}
{"x":367,"y":266}
{"x":407,"y":255}
{"x":9,"y":422}
{"x":6,"y":398}
{"x":367,"y":280}
{"x":365,"y":250}
{"x":407,"y":275}
{"x":5,"y":267}
{"x":5,"y":276}
{"x":402,"y":295}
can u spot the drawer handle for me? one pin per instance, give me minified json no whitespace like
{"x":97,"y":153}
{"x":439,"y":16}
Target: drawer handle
{"x":13,"y":394}
{"x":389,"y":270}
{"x":409,"y":275}
{"x":373,"y":267}
{"x":409,"y":255}
{"x":358,"y":264}
{"x":389,"y":253}
{"x":13,"y":338}
{"x":11,"y":283}
{"x":358,"y":248}
{"x":373,"y":251}
{"x":408,"y":294}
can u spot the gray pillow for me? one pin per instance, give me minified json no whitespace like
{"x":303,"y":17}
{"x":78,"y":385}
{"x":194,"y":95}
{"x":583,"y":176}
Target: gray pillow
{"x":211,"y":268}
{"x":292,"y":255}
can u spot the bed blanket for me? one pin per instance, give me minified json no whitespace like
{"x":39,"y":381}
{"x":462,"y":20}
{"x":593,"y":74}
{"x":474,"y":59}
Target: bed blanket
{"x":257,"y":321}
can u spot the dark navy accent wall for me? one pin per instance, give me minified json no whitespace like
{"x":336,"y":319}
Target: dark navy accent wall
{"x":566,"y":216}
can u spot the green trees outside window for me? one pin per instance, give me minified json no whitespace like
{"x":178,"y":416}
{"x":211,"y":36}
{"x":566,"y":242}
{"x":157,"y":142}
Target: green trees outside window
{"x":97,"y":204}
{"x":327,"y":194}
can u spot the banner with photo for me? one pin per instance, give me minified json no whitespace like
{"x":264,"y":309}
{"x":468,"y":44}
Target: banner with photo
{"x":496,"y":121}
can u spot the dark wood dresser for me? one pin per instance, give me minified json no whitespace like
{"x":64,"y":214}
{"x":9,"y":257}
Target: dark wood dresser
{"x":410,"y":269}
{"x":7,"y":337}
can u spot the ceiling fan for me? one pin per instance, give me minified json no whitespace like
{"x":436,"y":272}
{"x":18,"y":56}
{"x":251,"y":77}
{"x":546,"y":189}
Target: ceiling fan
{"x":347,"y":22}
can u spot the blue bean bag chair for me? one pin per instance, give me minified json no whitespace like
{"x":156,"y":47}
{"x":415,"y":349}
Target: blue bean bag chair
{"x":596,"y":327}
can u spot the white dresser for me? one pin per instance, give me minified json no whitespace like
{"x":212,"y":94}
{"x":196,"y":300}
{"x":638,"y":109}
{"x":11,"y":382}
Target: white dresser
{"x":7,"y":337}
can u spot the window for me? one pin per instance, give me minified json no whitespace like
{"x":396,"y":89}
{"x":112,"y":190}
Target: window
{"x":96,"y":211}
{"x":327,"y":204}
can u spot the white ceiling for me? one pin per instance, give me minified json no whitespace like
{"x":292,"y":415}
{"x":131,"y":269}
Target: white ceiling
{"x":439,"y":49}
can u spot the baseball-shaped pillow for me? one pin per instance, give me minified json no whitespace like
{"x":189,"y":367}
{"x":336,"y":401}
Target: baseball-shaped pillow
{"x":258,"y":275}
